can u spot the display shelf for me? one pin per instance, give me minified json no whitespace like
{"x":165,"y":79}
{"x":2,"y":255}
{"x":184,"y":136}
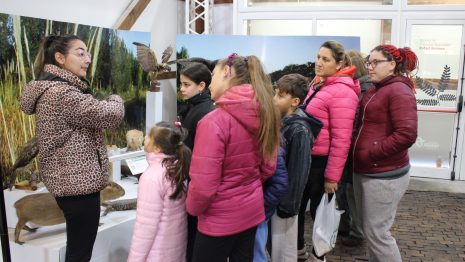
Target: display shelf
{"x":48,"y":243}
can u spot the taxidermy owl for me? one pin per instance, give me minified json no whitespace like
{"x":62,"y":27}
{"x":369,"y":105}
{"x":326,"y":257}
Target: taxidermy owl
{"x":134,"y":140}
{"x":185,"y":61}
{"x":149,"y":63}
{"x":27,"y":153}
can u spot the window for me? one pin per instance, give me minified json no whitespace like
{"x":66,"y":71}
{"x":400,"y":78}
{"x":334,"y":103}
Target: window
{"x":371,"y":32}
{"x":436,"y":2}
{"x":251,"y":3}
{"x":279,"y":27}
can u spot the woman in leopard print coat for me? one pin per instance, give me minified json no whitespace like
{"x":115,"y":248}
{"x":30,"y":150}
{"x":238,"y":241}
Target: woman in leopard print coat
{"x":72,"y":155}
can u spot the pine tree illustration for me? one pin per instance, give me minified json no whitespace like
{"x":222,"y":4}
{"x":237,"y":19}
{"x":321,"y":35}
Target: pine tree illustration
{"x":444,"y":82}
{"x":426,"y":86}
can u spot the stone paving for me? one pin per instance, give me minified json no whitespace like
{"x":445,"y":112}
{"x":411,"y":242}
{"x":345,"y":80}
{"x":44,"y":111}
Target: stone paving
{"x":429,"y":226}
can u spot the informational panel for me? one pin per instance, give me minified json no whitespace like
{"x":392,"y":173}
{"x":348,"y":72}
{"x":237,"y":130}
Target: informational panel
{"x":438,"y":49}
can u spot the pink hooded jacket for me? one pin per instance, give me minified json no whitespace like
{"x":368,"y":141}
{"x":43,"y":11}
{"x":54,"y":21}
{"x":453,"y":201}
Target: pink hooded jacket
{"x":227,"y":169}
{"x":160,"y":232}
{"x":335,"y":105}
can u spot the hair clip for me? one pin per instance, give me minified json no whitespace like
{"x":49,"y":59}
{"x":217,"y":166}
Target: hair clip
{"x":230,"y":58}
{"x":177,"y":123}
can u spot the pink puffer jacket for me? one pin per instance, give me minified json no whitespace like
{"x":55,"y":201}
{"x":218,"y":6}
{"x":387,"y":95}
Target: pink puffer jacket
{"x":335,"y":105}
{"x":227,"y":168}
{"x":160,"y":232}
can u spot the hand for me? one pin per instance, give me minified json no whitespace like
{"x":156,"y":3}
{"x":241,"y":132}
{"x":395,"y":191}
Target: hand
{"x":330,"y":187}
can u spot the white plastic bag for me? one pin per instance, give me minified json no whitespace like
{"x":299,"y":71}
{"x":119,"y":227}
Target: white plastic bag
{"x":326,"y":225}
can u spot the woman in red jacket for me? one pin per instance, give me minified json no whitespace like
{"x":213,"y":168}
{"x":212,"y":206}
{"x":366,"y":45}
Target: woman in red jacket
{"x":332,"y":98}
{"x":388,"y":127}
{"x":235,"y":151}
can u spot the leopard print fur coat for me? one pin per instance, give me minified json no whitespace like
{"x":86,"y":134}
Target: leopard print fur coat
{"x":69,"y":127}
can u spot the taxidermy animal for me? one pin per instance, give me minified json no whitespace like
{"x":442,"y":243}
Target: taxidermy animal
{"x":186,"y":61}
{"x":134,"y":140}
{"x":42,"y":209}
{"x":119,"y":205}
{"x":149,"y":63}
{"x":30,"y":184}
{"x":27,"y":153}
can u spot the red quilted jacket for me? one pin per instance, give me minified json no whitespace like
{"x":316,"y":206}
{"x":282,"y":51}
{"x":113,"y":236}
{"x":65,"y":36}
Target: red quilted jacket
{"x":388,"y":128}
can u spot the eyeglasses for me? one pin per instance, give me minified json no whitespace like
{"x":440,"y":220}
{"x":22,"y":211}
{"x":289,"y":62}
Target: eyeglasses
{"x":374,"y":63}
{"x":83,"y":54}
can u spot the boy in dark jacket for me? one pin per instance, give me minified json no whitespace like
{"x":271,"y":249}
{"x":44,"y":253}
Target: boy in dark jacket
{"x":299,"y":130}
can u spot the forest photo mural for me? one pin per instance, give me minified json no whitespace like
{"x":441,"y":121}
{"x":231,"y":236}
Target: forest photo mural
{"x":114,"y":69}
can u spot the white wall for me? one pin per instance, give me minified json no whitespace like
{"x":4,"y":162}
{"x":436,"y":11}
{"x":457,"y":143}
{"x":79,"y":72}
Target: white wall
{"x":222,"y":19}
{"x":159,"y":18}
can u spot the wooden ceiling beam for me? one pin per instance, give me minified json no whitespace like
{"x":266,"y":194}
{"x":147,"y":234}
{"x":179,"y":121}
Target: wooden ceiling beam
{"x":129,"y":17}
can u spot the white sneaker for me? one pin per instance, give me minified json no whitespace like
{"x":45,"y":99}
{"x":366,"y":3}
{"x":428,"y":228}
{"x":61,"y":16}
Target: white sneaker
{"x":302,"y":253}
{"x":313,"y":258}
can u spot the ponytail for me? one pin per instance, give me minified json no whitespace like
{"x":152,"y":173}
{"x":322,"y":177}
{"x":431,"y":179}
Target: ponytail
{"x":169,"y":138}
{"x":180,"y":170}
{"x":249,"y":70}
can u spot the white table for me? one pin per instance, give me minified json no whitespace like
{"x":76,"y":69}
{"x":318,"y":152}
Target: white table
{"x":48,"y":243}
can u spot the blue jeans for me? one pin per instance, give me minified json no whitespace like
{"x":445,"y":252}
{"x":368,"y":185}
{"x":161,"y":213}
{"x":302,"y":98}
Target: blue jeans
{"x":259,"y":249}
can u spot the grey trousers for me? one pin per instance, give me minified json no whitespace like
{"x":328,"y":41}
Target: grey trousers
{"x":376,"y":203}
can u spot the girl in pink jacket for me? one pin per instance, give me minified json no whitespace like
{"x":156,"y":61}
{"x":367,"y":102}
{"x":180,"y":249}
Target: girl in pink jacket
{"x":160,"y":232}
{"x":235,"y":151}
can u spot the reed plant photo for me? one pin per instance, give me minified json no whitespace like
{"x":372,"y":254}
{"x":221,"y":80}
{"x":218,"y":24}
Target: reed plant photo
{"x":114,"y":69}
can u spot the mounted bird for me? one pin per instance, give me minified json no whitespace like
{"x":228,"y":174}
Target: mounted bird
{"x":149,"y":63}
{"x":26,"y":154}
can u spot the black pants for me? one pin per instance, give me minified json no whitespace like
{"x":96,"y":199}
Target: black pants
{"x":191,"y":233}
{"x":314,"y":190}
{"x":82,"y":214}
{"x":238,"y":247}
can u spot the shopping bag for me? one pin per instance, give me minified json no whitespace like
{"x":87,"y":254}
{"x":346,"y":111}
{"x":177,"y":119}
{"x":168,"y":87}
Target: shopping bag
{"x":326,"y":225}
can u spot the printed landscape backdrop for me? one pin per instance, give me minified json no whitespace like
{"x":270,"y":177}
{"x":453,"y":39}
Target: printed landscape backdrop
{"x":280,"y":54}
{"x":114,"y":69}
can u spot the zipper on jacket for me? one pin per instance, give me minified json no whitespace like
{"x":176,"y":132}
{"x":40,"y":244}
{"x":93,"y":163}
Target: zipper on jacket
{"x":359,"y":131}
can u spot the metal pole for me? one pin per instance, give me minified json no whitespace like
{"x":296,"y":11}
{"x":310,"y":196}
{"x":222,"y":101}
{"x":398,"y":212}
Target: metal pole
{"x":3,"y":227}
{"x":459,"y":110}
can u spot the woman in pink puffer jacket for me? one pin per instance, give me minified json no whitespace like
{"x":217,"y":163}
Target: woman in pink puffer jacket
{"x":332,"y":98}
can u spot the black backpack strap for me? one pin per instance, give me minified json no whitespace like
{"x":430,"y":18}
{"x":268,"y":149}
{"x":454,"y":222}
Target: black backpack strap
{"x":305,"y":103}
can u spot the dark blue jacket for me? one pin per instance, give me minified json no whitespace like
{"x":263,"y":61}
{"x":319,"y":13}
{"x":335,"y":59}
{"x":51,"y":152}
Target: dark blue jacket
{"x":299,"y":131}
{"x":276,"y":186}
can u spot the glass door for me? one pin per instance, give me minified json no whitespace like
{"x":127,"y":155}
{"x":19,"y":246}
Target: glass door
{"x":439,"y":47}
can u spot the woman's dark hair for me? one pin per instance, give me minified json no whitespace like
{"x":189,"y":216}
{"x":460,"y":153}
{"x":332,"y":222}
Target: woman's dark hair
{"x":198,"y":73}
{"x":337,"y":49}
{"x":48,"y":47}
{"x":169,"y":138}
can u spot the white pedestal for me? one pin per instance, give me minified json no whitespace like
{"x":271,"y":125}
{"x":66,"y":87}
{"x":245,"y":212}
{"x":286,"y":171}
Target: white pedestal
{"x":154,"y":109}
{"x":48,"y":243}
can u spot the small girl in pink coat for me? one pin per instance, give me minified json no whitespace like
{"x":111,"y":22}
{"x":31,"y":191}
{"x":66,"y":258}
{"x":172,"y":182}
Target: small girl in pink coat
{"x":160,"y":232}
